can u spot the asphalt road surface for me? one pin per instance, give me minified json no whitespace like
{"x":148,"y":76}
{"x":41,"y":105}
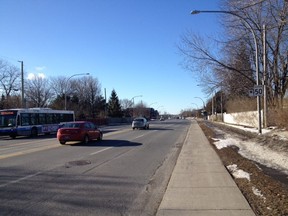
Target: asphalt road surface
{"x":124,"y":174}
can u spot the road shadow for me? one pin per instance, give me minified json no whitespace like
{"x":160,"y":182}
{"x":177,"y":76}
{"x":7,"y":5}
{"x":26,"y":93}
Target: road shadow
{"x":159,"y":129}
{"x":107,"y":143}
{"x":40,"y":136}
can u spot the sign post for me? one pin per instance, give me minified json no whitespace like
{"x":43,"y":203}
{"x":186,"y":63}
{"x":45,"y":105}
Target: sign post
{"x":258,"y":90}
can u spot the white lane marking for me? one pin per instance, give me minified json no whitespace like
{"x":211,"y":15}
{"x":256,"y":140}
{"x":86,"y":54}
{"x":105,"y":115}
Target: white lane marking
{"x":102,"y":150}
{"x":145,"y":134}
{"x":20,"y":179}
{"x":140,"y":136}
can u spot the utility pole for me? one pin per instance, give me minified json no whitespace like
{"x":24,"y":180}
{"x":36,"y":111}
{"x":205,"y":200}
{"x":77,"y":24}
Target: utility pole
{"x":264,"y":80}
{"x":22,"y":84}
{"x":105,"y":108}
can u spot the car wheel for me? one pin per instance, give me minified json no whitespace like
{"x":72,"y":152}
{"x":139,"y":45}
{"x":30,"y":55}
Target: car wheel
{"x":62,"y":142}
{"x":100,"y":137}
{"x":13,"y":136}
{"x":86,"y":139}
{"x":133,"y":128}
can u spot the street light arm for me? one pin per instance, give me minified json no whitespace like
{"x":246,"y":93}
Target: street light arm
{"x":66,"y":83}
{"x":132,"y":99}
{"x":202,"y":101}
{"x":248,"y":25}
{"x":234,"y":13}
{"x":136,"y":96}
{"x":77,"y":75}
{"x":208,"y":11}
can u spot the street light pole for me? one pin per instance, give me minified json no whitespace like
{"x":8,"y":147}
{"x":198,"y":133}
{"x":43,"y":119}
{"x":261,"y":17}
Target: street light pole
{"x":234,"y":13}
{"x":205,"y":117}
{"x":132,"y":99}
{"x":65,"y":96}
{"x":22,"y":84}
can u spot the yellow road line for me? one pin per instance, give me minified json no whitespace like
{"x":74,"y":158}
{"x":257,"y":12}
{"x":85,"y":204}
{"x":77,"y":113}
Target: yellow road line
{"x":48,"y":147}
{"x":27,"y":151}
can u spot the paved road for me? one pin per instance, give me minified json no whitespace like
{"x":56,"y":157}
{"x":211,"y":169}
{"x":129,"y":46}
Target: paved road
{"x":125,"y":174}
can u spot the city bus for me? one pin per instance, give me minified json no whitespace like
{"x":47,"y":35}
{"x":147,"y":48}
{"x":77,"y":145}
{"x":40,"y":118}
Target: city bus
{"x":32,"y":121}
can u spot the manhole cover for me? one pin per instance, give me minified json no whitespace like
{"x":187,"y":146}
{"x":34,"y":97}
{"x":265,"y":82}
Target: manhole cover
{"x":77,"y":163}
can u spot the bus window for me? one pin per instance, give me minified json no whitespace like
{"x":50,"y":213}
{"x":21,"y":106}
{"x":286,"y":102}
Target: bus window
{"x":68,"y":117}
{"x":34,"y":118}
{"x":42,"y":119}
{"x":24,"y":119}
{"x":11,"y":122}
{"x":7,"y":118}
{"x":57,"y":118}
{"x":49,"y":118}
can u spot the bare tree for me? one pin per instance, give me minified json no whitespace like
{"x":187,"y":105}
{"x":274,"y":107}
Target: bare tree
{"x":38,"y":92}
{"x":126,"y":104}
{"x":87,"y":93}
{"x":272,"y":13}
{"x":237,"y":59}
{"x":10,"y":84}
{"x":59,"y":86}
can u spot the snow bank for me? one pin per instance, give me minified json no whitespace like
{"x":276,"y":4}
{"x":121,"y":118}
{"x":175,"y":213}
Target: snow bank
{"x":256,"y":152}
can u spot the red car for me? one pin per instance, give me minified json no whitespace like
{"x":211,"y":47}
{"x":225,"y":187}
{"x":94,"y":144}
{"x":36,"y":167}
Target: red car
{"x":79,"y":131}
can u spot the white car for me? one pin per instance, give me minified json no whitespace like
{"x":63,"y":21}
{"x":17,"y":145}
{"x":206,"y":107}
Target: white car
{"x":140,"y":123}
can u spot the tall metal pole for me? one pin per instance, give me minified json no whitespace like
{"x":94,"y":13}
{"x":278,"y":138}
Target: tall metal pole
{"x":212,"y":113}
{"x":22,"y":84}
{"x":221,"y":104}
{"x":234,"y":13}
{"x":265,"y":107}
{"x":105,"y":108}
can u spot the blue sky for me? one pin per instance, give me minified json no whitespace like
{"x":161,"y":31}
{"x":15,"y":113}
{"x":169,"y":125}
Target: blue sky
{"x":128,"y":45}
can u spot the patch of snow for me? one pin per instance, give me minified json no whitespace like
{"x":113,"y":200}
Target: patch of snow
{"x":258,"y":193}
{"x":256,"y":152}
{"x":223,"y":143}
{"x":238,"y":173}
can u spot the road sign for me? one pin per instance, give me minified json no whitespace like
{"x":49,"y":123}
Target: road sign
{"x":256,"y":91}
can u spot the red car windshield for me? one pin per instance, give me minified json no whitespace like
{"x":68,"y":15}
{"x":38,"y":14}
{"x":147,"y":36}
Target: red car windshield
{"x":72,"y":125}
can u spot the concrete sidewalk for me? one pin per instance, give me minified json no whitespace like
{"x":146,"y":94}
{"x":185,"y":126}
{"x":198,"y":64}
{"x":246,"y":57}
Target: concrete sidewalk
{"x":200,"y":184}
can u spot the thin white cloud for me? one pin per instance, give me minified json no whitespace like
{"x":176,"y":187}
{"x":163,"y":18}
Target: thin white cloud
{"x":40,"y":68}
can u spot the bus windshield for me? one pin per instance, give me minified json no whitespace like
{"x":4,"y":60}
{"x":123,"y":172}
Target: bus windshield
{"x":7,"y":118}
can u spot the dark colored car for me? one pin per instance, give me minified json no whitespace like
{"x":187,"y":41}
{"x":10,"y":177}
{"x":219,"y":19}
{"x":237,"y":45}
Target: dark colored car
{"x":84,"y":131}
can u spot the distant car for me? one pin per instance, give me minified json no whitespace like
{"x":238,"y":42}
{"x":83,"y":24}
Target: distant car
{"x":140,"y":123}
{"x":162,"y":119}
{"x":78,"y":131}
